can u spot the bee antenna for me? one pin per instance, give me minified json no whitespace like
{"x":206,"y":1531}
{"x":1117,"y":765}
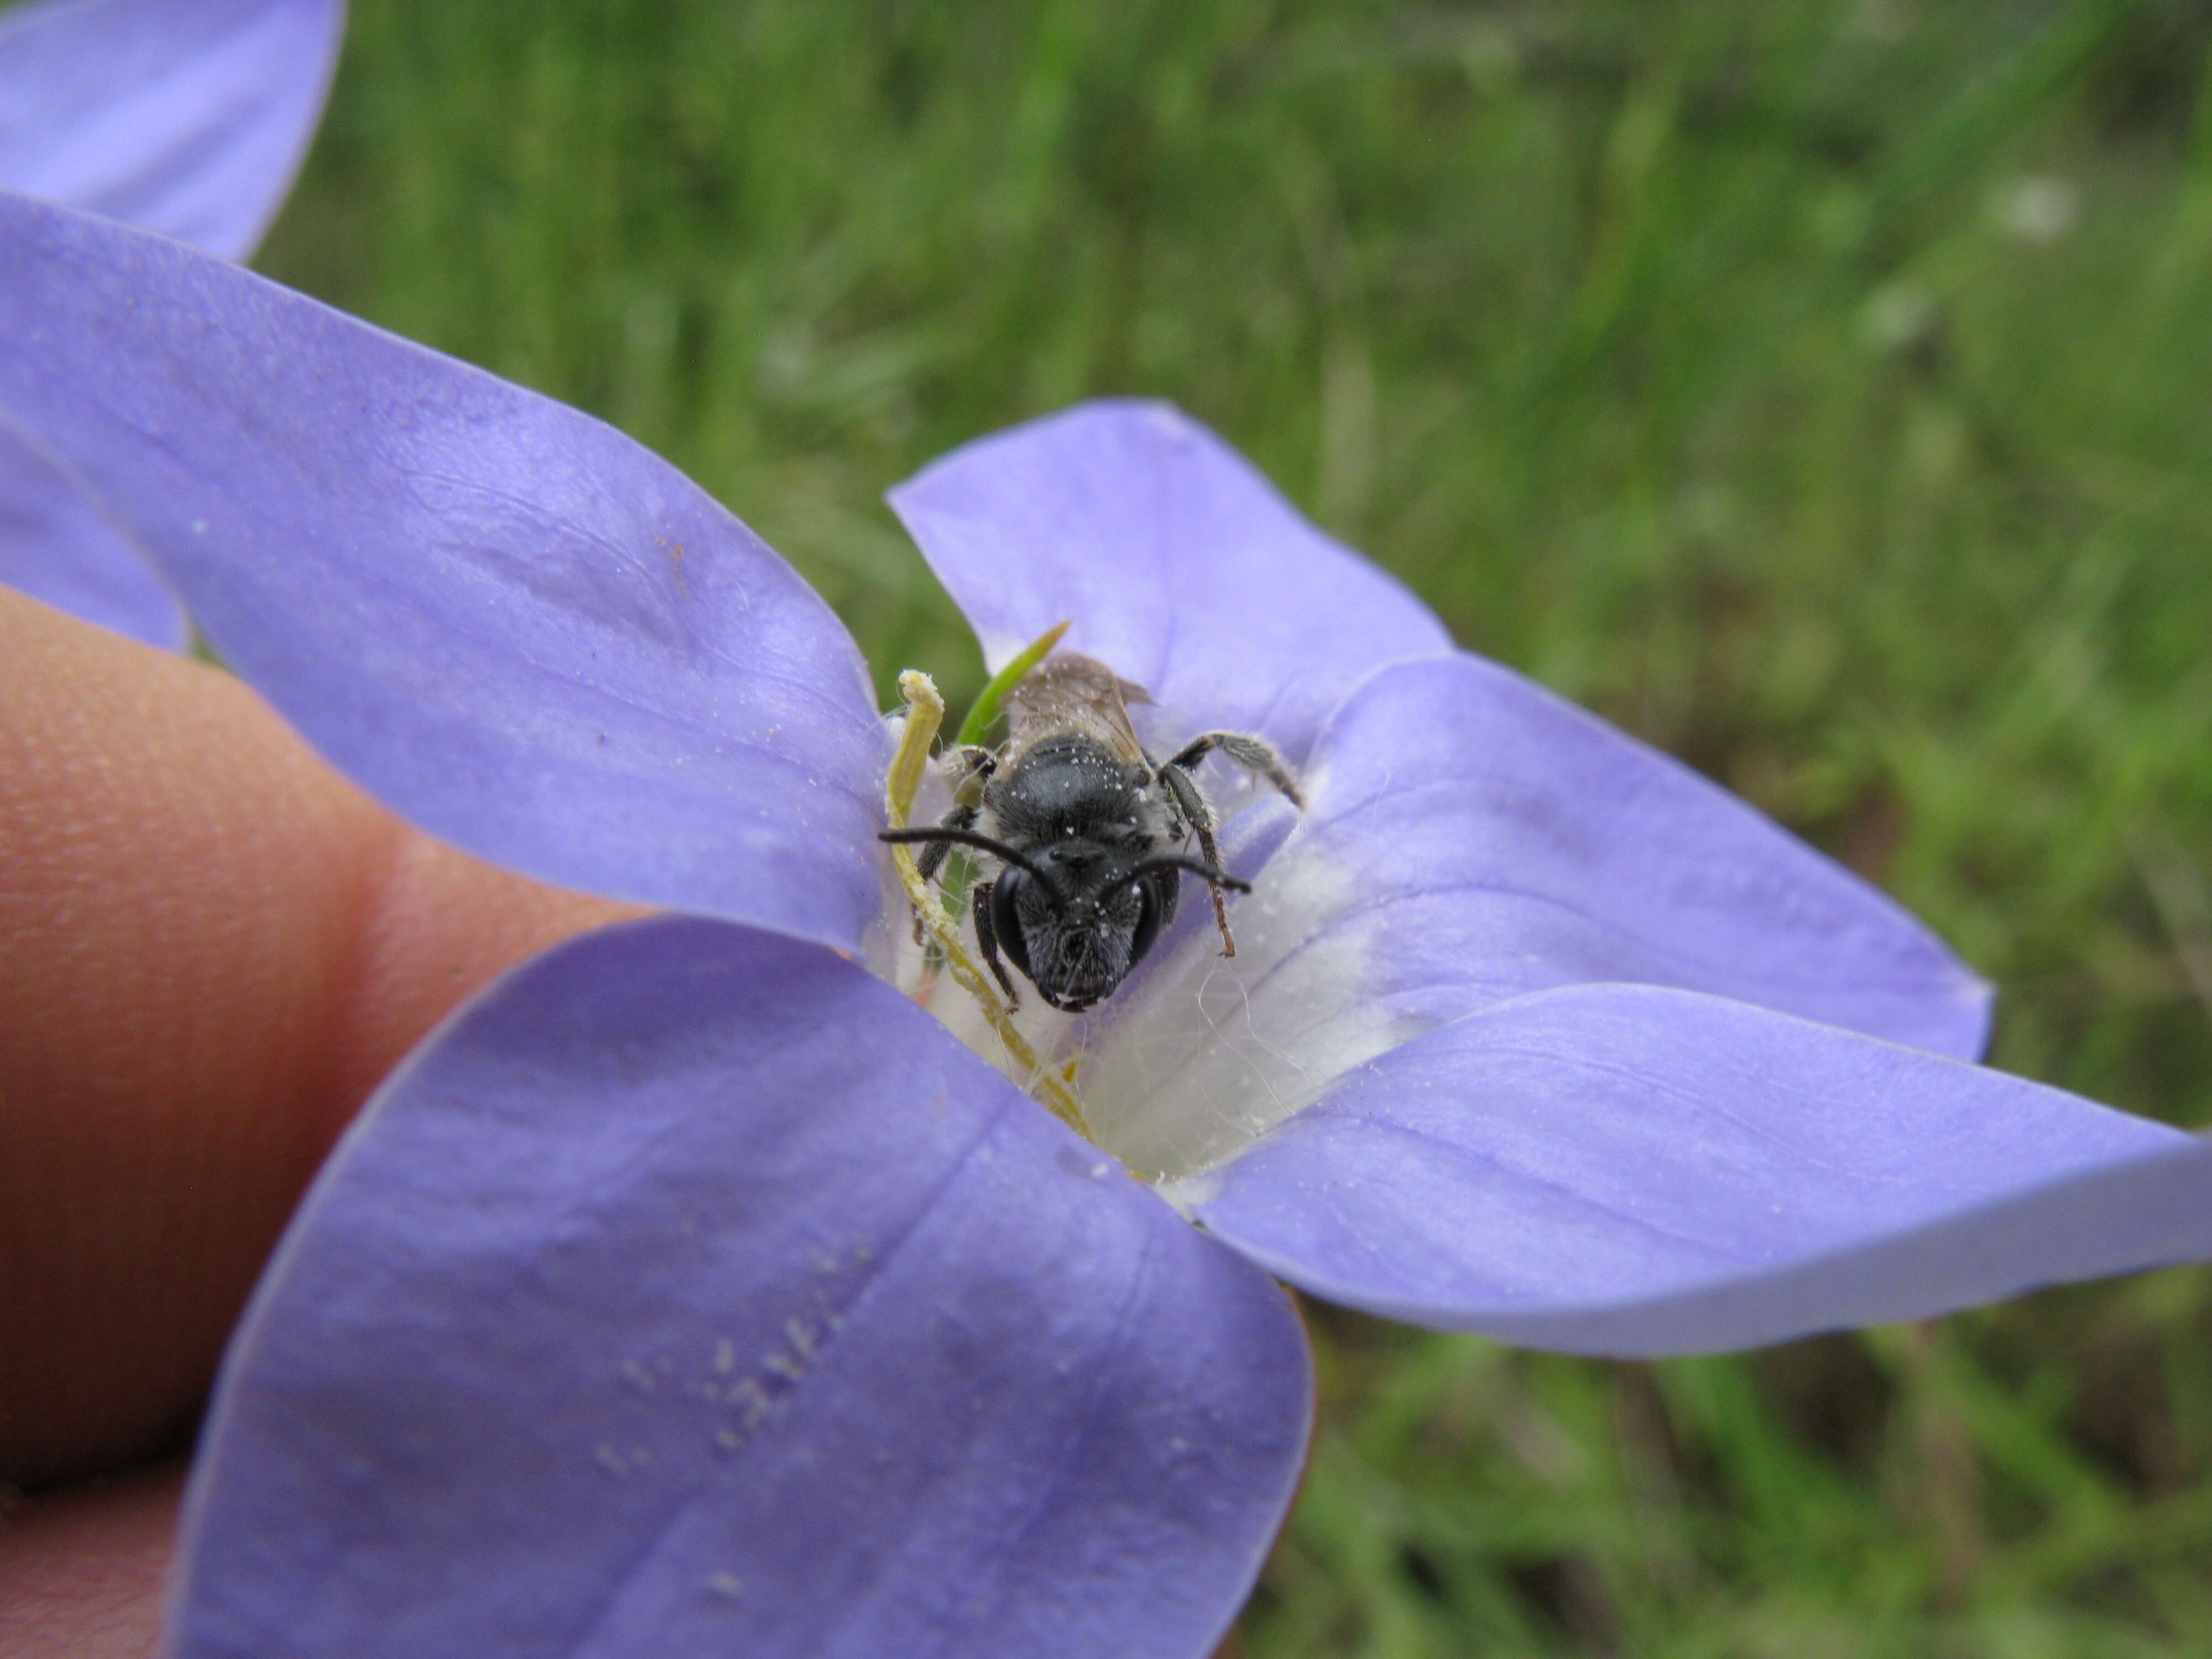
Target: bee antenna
{"x":1159,"y":861}
{"x":982,"y":843}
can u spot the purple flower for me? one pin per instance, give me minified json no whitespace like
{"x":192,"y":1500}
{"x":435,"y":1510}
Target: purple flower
{"x":187,"y":116}
{"x":695,"y":1291}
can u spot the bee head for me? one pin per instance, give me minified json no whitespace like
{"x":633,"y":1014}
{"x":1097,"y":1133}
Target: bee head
{"x":1077,"y":914}
{"x":1077,"y":923}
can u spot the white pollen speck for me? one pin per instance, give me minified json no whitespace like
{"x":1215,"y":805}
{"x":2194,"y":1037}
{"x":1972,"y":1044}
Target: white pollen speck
{"x":637,"y":1377}
{"x":752,"y":1402}
{"x":783,"y":1365}
{"x":726,"y":1585}
{"x":1186,"y":1195}
{"x":610,"y":1459}
{"x":802,"y":1337}
{"x":728,"y":1439}
{"x":199,"y":526}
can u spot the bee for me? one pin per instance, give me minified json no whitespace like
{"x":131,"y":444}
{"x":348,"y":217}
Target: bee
{"x":1088,"y":830}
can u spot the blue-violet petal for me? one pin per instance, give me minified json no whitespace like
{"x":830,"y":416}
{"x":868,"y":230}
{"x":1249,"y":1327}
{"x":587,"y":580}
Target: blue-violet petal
{"x":59,"y":547}
{"x":1494,"y":839}
{"x":1625,"y":1169}
{"x":1178,"y":564}
{"x":186,"y":117}
{"x":693,"y":1293}
{"x":505,"y":620}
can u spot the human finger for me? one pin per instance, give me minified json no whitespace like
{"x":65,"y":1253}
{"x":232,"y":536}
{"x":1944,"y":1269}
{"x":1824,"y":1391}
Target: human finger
{"x":215,"y":946}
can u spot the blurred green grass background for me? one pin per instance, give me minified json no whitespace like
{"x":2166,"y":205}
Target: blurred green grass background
{"x":1819,"y":389}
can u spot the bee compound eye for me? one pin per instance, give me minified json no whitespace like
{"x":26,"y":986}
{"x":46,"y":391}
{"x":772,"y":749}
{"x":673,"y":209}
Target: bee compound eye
{"x":1007,"y":921}
{"x":1148,"y":922}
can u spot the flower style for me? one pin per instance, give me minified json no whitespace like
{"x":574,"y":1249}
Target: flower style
{"x":186,"y":117}
{"x":694,"y":1290}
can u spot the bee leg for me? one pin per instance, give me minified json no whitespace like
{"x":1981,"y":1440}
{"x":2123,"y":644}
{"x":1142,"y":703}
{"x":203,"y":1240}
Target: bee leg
{"x":971,"y":762}
{"x":1253,"y":754}
{"x":1199,"y":818}
{"x":931,"y":859}
{"x":986,"y":937}
{"x":967,"y":768}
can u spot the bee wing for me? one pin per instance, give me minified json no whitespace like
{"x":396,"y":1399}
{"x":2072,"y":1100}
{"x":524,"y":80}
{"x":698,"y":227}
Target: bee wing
{"x":1069,"y":693}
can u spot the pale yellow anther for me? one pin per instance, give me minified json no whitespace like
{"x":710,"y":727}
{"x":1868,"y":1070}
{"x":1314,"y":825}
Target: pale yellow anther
{"x":925,"y":716}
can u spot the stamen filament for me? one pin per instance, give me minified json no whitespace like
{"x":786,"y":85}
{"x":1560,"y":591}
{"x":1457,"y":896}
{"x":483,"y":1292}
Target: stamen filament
{"x":925,"y":716}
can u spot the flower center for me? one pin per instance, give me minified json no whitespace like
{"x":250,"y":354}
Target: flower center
{"x":1194,"y":1056}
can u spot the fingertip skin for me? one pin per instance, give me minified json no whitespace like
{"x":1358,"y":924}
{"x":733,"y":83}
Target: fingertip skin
{"x":214,"y":948}
{"x":83,"y":1571}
